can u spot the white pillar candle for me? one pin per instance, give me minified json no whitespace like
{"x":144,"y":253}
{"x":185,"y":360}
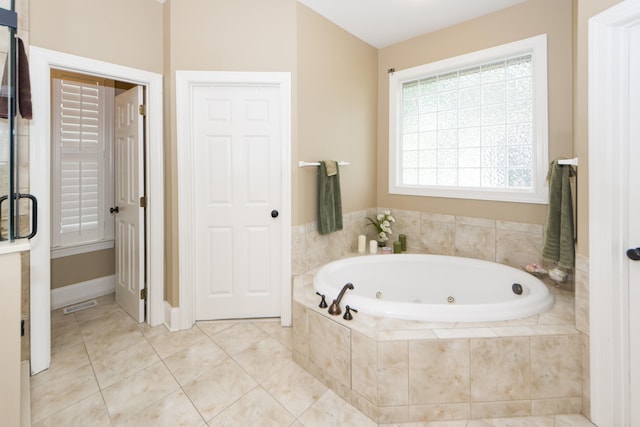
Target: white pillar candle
{"x":362,"y":244}
{"x":373,"y":247}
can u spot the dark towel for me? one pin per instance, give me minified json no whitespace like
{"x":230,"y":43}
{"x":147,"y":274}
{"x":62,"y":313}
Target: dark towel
{"x":24,"y":86}
{"x":559,"y":242}
{"x":329,"y":201}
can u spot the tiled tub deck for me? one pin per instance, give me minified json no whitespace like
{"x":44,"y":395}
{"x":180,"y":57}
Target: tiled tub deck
{"x":406,"y":371}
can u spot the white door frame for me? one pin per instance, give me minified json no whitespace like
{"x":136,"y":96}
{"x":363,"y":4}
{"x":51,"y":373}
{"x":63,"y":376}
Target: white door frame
{"x":608,"y":213}
{"x":41,"y":62}
{"x":185,"y":82}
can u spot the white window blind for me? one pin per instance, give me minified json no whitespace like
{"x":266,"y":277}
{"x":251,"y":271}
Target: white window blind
{"x":472,"y":126}
{"x":82,"y":167}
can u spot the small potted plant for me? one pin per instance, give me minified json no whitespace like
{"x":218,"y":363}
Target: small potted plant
{"x":382,"y":223}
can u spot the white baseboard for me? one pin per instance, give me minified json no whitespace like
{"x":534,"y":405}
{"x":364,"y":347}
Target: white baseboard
{"x":71,"y":294}
{"x":171,"y":317}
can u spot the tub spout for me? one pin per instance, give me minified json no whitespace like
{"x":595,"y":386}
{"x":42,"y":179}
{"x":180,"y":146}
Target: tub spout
{"x":334,"y":308}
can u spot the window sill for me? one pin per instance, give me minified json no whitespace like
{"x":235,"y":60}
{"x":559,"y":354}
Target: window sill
{"x":81,"y":249}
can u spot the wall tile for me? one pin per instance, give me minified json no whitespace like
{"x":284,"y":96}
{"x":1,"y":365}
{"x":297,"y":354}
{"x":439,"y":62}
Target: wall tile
{"x":556,"y":367}
{"x":517,"y":249}
{"x":300,"y":320}
{"x":364,"y":360}
{"x":437,"y":237}
{"x":438,"y":371}
{"x":586,"y":376}
{"x":566,"y":405}
{"x":393,"y":373}
{"x":513,"y":408}
{"x":582,"y":296}
{"x":475,"y":242}
{"x":500,"y":369}
{"x":329,"y":348}
{"x":451,"y":411}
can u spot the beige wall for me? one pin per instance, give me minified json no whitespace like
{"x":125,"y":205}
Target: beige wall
{"x":531,"y":18}
{"x":337,"y":108}
{"x":221,"y":35}
{"x":80,"y":268}
{"x":122,"y":32}
{"x":583,"y":10}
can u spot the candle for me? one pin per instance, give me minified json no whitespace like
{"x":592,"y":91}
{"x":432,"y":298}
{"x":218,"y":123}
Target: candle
{"x":397,"y":247}
{"x":362,"y":243}
{"x":403,"y":242}
{"x":373,"y":247}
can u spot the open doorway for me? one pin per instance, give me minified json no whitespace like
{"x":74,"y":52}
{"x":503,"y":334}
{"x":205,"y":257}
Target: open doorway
{"x":97,"y":191}
{"x":41,"y":63}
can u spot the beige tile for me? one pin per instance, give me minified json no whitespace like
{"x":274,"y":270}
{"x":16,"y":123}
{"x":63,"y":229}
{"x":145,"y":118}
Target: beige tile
{"x":238,"y":337}
{"x":329,"y":347}
{"x":465,"y":333}
{"x":573,"y":420}
{"x":254,"y":408}
{"x":67,"y":359}
{"x":114,"y":331}
{"x":195,"y":360}
{"x":331,"y":410}
{"x":270,"y":326}
{"x":167,"y":343}
{"x":566,"y":405}
{"x":284,"y":336}
{"x":437,"y":237}
{"x":520,"y":227}
{"x":111,"y":365}
{"x":500,"y":369}
{"x":52,"y":391}
{"x":582,"y":301}
{"x":393,"y":414}
{"x":393,"y":373}
{"x":106,"y":305}
{"x":475,"y":242}
{"x":263,"y":358}
{"x":514,"y":408}
{"x":150,"y":331}
{"x":60,"y":320}
{"x":294,"y":388}
{"x":63,"y":336}
{"x":438,"y":372}
{"x":77,"y":415}
{"x":513,"y":422}
{"x":171,"y":411}
{"x":364,"y":366}
{"x":217,"y":389}
{"x":556,"y":367}
{"x":586,"y":376}
{"x":215,"y":327}
{"x":137,"y":391}
{"x":442,"y":411}
{"x":517,"y":248}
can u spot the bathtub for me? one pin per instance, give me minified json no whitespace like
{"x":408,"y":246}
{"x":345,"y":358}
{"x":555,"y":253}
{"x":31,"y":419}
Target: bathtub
{"x":433,"y":288}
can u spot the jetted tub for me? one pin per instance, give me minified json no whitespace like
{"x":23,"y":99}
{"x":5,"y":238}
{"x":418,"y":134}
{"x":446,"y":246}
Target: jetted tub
{"x":433,"y":288}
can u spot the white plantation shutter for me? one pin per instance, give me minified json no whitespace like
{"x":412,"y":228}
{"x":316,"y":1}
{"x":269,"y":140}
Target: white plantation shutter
{"x":82,"y":160}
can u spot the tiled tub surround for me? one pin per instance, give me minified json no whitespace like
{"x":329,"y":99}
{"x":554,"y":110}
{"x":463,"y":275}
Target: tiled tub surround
{"x":511,"y":243}
{"x":406,"y":371}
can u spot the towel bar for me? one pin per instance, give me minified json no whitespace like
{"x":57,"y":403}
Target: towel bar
{"x":572,"y":162}
{"x":302,"y":164}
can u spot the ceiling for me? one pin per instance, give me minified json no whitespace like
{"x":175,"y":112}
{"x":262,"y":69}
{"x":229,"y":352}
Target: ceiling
{"x":384,"y":22}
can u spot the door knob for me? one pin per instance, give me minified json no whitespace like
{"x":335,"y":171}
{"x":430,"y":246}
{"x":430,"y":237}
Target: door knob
{"x":634,"y":254}
{"x":274,"y":213}
{"x":112,"y":210}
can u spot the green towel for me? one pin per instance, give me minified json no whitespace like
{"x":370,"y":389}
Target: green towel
{"x":329,"y":201}
{"x":559,"y":242}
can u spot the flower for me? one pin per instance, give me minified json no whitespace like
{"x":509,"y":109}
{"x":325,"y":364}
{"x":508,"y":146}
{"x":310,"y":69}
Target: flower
{"x":382,"y":223}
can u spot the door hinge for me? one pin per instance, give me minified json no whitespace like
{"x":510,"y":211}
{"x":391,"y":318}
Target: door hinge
{"x":143,"y":293}
{"x":142,"y":110}
{"x":143,"y":202}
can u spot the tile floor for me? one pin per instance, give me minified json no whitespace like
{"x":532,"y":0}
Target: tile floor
{"x":106,"y":370}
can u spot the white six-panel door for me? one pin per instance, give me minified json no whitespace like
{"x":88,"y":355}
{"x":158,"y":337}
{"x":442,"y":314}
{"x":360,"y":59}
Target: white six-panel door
{"x":237,"y":196}
{"x":129,"y":187}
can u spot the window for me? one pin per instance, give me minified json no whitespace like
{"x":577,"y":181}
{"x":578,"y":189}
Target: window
{"x":82,"y":163}
{"x":473,"y":126}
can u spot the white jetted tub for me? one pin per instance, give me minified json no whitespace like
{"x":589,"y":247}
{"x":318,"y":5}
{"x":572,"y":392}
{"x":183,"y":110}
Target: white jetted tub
{"x":433,"y":288}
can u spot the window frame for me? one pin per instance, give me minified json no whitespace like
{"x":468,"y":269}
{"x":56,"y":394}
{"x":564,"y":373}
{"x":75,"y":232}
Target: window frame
{"x":62,"y":246}
{"x":537,"y":47}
